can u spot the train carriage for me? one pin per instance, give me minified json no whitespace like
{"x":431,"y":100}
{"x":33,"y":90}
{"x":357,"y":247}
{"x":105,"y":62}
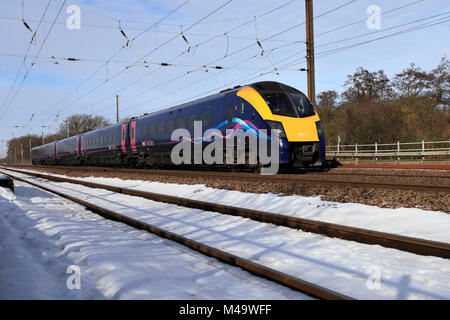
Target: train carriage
{"x":146,"y":140}
{"x":67,"y":151}
{"x":101,"y":147}
{"x":44,"y":154}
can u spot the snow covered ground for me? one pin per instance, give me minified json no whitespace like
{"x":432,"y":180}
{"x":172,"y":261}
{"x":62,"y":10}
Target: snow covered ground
{"x":41,"y":235}
{"x":354,"y":269}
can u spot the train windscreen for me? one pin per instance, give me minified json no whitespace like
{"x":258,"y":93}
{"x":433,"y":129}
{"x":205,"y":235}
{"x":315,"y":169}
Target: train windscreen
{"x":284,"y":100}
{"x":279,"y":104}
{"x":302,"y":105}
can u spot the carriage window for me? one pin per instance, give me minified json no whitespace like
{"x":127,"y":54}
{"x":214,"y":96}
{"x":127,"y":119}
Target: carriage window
{"x":170,"y":125}
{"x":152,"y":129}
{"x":206,"y":119}
{"x":181,"y":123}
{"x":191,"y":120}
{"x":160,"y":127}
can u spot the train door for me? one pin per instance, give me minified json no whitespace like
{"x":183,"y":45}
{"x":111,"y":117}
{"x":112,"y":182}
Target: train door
{"x":77,"y":146}
{"x":81,"y":145}
{"x":133,"y":135}
{"x":123,"y":138}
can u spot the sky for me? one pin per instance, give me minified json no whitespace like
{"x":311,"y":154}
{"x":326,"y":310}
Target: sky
{"x":36,"y":96}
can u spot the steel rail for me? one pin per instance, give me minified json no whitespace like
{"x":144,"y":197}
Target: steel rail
{"x":382,"y":175}
{"x":284,"y":279}
{"x":278,"y":178}
{"x":404,"y":243}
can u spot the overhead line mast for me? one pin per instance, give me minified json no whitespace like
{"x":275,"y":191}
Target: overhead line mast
{"x":310,"y":51}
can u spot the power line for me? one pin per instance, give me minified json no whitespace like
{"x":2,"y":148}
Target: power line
{"x":112,"y":57}
{"x":383,"y":30}
{"x":321,"y":54}
{"x":336,"y":50}
{"x":347,"y":25}
{"x":25,"y":56}
{"x":272,"y":10}
{"x":102,"y":14}
{"x":163,"y":64}
{"x":222,"y":35}
{"x":29,"y":70}
{"x":213,"y":62}
{"x":163,"y":44}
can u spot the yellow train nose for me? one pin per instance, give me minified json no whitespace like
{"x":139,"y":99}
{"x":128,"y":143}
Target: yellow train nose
{"x":299,"y":129}
{"x":296,"y":129}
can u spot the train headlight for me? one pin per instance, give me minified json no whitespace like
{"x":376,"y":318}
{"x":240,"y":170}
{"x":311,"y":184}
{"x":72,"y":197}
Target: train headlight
{"x":319,"y":127}
{"x":278,"y":127}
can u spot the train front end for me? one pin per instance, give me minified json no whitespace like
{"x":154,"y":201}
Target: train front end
{"x":289,"y":111}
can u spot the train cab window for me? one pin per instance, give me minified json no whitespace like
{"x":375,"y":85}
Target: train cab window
{"x":279,"y":104}
{"x":301,"y":103}
{"x":181,"y":123}
{"x":170,"y":125}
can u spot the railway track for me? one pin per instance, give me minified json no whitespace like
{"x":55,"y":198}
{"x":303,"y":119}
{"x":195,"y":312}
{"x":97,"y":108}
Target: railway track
{"x":409,"y":244}
{"x":284,"y":279}
{"x":399,"y":166}
{"x":279,"y":178}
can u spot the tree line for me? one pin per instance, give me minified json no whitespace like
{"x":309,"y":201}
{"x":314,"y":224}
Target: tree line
{"x":412,"y":106}
{"x":18,"y":148}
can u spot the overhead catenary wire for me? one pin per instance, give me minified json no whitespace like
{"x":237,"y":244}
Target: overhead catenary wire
{"x":234,"y":28}
{"x":251,"y":20}
{"x":25,"y":56}
{"x":364,"y":19}
{"x":29,"y":70}
{"x":320,"y":54}
{"x":155,"y":49}
{"x":112,"y":57}
{"x":125,"y":28}
{"x":420,"y":27}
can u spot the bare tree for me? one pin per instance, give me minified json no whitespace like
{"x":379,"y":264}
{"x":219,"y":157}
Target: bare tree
{"x":81,"y":123}
{"x":367,"y":85}
{"x":412,"y":82}
{"x":439,"y":83}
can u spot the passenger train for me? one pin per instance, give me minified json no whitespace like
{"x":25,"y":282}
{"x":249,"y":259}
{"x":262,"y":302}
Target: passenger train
{"x":145,"y":141}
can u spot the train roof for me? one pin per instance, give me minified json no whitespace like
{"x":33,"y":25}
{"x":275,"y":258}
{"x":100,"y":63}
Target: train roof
{"x":258,"y":86}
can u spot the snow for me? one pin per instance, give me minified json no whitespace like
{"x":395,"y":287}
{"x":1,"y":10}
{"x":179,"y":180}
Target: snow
{"x":42,"y":234}
{"x":340,"y":265}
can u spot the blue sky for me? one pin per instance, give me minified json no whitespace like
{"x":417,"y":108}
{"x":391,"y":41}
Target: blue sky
{"x":49,"y":89}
